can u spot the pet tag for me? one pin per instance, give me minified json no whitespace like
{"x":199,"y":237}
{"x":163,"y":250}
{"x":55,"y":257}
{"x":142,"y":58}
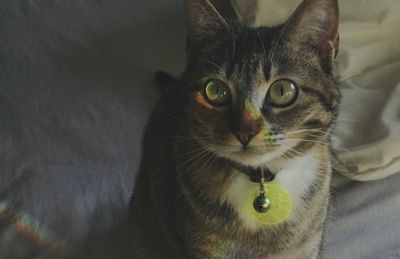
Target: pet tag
{"x":278,"y":204}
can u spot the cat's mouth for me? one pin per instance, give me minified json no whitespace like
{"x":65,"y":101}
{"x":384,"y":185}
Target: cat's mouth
{"x":251,"y":156}
{"x":248,"y":151}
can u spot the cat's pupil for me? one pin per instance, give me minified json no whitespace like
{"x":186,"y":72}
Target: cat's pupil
{"x":282,"y":93}
{"x":217,"y":92}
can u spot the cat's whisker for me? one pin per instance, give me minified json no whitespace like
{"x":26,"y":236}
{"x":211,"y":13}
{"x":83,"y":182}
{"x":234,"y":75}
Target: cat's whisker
{"x":194,"y":158}
{"x":208,"y":62}
{"x":212,"y":156}
{"x":314,"y":137}
{"x":199,"y":162}
{"x":348,"y":120}
{"x":178,"y":119}
{"x":211,"y":163}
{"x":344,"y":119}
{"x":207,"y":162}
{"x":291,"y":150}
{"x":162,"y":165}
{"x":181,"y":141}
{"x":185,"y":167}
{"x":226,"y":144}
{"x":307,"y":130}
{"x":184,"y":140}
{"x":307,"y":140}
{"x":283,"y":155}
{"x":190,"y":152}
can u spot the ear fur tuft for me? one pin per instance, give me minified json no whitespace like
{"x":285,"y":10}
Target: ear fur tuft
{"x":203,"y":21}
{"x":316,"y":23}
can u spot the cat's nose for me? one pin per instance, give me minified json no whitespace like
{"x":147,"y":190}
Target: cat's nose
{"x":245,"y":135}
{"x":246,"y":124}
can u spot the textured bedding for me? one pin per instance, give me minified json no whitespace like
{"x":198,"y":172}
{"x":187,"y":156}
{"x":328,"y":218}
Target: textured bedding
{"x":76,"y":90}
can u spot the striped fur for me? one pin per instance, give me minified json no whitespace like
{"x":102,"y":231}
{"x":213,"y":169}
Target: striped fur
{"x":187,"y":201}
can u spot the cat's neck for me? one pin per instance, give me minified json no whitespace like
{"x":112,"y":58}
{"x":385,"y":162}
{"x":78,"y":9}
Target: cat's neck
{"x":211,"y":181}
{"x":297,"y":175}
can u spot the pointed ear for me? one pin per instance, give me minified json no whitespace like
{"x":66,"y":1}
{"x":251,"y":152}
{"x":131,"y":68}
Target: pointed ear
{"x":316,"y":23}
{"x":204,"y":21}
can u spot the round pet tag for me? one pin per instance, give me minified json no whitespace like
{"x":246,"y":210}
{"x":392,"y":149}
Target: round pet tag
{"x":279,"y":208}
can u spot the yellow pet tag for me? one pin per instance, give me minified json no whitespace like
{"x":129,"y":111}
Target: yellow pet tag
{"x":279,"y":208}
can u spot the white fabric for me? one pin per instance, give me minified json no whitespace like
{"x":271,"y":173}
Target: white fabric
{"x":368,"y":129}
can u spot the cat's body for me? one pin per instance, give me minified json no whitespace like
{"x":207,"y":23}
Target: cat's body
{"x":217,"y":232}
{"x":188,"y":201}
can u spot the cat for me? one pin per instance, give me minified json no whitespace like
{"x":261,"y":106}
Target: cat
{"x":250,"y":100}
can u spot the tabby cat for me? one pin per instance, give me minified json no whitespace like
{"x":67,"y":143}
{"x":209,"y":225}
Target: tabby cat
{"x":251,"y":103}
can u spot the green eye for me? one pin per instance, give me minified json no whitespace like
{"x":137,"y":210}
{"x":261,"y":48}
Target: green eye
{"x":282,"y":93}
{"x":217,"y":92}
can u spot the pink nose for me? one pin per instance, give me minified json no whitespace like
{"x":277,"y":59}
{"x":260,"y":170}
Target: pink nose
{"x":244,"y":135}
{"x":245,"y":126}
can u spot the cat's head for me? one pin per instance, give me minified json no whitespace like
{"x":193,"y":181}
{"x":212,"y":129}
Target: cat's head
{"x":255,"y":94}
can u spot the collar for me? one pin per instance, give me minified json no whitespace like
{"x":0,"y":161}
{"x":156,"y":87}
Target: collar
{"x":254,"y":174}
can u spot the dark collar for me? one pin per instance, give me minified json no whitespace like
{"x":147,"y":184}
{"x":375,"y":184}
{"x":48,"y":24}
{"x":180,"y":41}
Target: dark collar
{"x":254,"y":174}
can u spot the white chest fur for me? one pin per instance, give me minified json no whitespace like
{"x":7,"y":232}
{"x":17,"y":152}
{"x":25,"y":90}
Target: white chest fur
{"x":296,"y":177}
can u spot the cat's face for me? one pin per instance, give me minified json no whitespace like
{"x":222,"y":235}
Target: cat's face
{"x":255,"y":94}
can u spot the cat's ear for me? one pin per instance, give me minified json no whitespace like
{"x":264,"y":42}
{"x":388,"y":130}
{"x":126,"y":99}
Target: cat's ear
{"x":316,"y":23}
{"x":204,"y":22}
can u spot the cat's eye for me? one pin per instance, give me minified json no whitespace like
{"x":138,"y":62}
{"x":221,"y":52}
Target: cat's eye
{"x":217,"y":92}
{"x":282,"y":93}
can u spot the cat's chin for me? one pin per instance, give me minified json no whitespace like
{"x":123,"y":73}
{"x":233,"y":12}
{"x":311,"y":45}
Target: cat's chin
{"x":249,"y":158}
